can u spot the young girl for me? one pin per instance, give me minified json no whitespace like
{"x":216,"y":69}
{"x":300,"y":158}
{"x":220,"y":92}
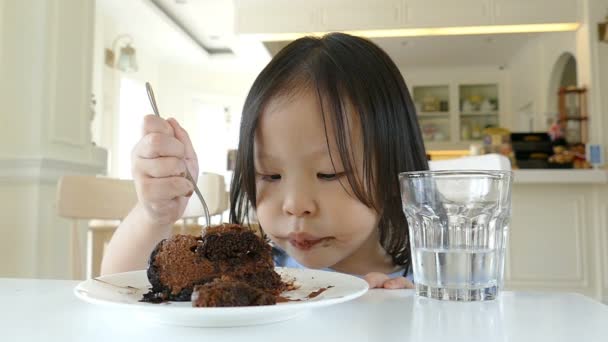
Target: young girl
{"x":326,"y":128}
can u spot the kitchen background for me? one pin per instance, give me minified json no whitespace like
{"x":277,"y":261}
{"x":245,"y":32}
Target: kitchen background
{"x":73,"y":96}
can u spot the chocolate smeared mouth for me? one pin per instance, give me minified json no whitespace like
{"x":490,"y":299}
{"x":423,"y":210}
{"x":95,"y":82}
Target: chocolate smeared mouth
{"x":304,"y":244}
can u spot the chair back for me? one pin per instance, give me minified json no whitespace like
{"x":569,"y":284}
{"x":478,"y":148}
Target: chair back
{"x":492,"y":161}
{"x":213,"y":189}
{"x":90,"y":197}
{"x":81,"y":197}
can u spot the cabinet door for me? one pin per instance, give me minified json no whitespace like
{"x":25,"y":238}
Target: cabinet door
{"x":512,"y":12}
{"x":276,"y":16}
{"x":361,"y":15}
{"x":551,"y":243}
{"x":441,"y":13}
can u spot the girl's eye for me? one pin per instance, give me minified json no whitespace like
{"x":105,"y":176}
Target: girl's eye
{"x":329,"y":176}
{"x":270,"y":178}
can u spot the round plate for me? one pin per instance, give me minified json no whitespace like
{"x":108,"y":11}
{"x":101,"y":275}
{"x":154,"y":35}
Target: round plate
{"x":124,"y":290}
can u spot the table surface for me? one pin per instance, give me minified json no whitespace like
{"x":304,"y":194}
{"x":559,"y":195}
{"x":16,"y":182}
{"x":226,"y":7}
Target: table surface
{"x":42,"y":310}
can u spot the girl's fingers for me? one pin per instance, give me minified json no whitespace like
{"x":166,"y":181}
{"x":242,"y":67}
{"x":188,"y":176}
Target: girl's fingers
{"x":161,"y":189}
{"x":154,"y":145}
{"x":376,"y":279}
{"x":164,"y":206}
{"x":381,"y":280}
{"x":159,"y":167}
{"x":184,"y":138}
{"x":166,"y":212}
{"x":155,"y":124}
{"x":398,"y":283}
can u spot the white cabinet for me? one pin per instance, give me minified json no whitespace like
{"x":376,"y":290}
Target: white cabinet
{"x":453,"y":115}
{"x":433,"y":109}
{"x":558,"y":239}
{"x":553,"y":243}
{"x":361,"y":15}
{"x":289,"y":16}
{"x":513,"y":12}
{"x":441,"y":13}
{"x":301,"y":16}
{"x":276,"y":16}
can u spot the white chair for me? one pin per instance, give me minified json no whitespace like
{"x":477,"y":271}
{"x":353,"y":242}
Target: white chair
{"x":104,"y":202}
{"x":213,"y":189}
{"x":89,"y":198}
{"x":492,"y":161}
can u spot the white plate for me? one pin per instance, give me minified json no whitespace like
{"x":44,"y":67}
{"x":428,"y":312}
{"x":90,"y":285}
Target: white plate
{"x":124,"y":290}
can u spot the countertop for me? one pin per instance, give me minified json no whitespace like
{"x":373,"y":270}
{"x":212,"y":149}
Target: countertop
{"x":560,"y":176}
{"x":47,"y":310}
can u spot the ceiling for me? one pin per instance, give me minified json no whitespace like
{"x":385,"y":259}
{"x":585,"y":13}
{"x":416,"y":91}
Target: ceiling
{"x":451,"y":51}
{"x":207,"y":25}
{"x":209,"y":22}
{"x":469,"y":50}
{"x":151,"y":31}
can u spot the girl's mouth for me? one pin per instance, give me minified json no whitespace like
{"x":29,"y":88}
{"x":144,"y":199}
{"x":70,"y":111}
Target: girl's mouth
{"x":304,"y":241}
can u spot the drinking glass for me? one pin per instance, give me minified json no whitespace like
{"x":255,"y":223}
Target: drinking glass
{"x":458,"y":230}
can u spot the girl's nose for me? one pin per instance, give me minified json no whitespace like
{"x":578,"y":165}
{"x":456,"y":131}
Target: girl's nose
{"x":299,"y":202}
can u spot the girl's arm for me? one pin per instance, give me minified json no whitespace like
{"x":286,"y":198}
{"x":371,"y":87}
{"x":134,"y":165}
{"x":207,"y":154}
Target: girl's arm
{"x":133,"y":242}
{"x":158,"y":163}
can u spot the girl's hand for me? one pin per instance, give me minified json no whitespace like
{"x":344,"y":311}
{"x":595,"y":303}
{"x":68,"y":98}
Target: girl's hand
{"x":378,"y":280}
{"x":159,"y":169}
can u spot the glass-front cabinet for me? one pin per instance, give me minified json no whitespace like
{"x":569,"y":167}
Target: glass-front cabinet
{"x":478,"y":109}
{"x":454,"y":115}
{"x":433,"y":108}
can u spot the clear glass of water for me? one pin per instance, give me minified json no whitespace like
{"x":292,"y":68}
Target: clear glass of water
{"x":458,"y":225}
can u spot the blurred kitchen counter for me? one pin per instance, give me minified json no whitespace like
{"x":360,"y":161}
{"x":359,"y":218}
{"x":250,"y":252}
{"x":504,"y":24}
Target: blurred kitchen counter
{"x":559,"y":231}
{"x":560,"y":176}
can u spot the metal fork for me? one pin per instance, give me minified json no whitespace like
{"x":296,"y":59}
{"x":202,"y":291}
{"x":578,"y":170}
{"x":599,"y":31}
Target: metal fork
{"x":188,"y":175}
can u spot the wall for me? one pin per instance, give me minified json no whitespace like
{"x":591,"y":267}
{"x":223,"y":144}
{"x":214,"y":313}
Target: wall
{"x":185,"y":88}
{"x":44,"y":128}
{"x":176,"y":81}
{"x":594,"y":71}
{"x":47,"y":52}
{"x":597,"y":76}
{"x":106,"y":83}
{"x":176,"y":88}
{"x":179,"y":84}
{"x":529,"y":77}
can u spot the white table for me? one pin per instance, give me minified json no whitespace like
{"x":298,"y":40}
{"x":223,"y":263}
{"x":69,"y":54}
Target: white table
{"x":46,"y":310}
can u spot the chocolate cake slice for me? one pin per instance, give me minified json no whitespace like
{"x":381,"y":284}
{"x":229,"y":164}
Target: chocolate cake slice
{"x":231,"y":251}
{"x":226,"y":291}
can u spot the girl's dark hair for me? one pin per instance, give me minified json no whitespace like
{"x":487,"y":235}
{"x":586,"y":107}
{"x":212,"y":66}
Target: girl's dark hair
{"x":352,"y":73}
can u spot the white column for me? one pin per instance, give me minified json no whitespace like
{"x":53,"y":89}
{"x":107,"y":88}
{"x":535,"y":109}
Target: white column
{"x":45,"y":91}
{"x":594,"y":74}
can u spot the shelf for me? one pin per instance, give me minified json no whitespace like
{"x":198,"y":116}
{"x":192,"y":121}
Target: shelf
{"x":474,"y":97}
{"x":575,"y":118}
{"x":431,"y":98}
{"x":433,"y":114}
{"x":432,"y":145}
{"x":490,"y":113}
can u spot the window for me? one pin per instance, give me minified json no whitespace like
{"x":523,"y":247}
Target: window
{"x":209,"y":135}
{"x":133,"y":107}
{"x":212,"y":127}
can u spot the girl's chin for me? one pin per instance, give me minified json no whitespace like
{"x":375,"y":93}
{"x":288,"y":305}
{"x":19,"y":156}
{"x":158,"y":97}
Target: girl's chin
{"x":310,"y":259}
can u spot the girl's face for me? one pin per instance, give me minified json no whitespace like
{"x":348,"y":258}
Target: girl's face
{"x":305,"y":205}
